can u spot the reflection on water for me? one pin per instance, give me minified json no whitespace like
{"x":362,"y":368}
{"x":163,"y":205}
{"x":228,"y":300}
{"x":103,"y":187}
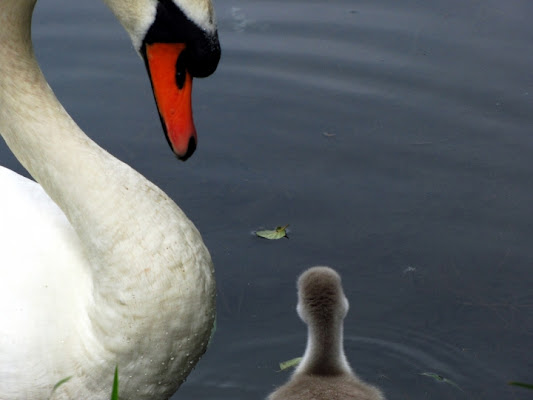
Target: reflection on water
{"x":394,"y":138}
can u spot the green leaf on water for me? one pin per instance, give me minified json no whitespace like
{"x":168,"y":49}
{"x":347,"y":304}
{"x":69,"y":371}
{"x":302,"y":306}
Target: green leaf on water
{"x":114,"y":393}
{"x":61,"y":382}
{"x":290,"y":363}
{"x":521,"y":384}
{"x":278,"y":233}
{"x":440,"y":378}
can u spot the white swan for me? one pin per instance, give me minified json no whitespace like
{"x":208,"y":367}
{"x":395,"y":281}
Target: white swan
{"x":324,"y":372}
{"x":99,"y":267}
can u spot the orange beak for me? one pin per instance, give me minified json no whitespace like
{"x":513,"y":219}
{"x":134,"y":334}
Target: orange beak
{"x":172,"y":86}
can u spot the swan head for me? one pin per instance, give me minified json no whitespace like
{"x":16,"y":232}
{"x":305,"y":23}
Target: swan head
{"x":321,"y":299}
{"x":177,"y":40}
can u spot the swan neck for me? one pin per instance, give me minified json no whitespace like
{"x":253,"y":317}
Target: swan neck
{"x":15,"y":20}
{"x":324,"y":354}
{"x":118,"y":215}
{"x":32,"y":121}
{"x":135,"y":16}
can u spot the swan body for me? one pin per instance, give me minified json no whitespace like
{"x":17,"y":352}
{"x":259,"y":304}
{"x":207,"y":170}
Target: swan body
{"x":98,"y":266}
{"x":324,"y":373}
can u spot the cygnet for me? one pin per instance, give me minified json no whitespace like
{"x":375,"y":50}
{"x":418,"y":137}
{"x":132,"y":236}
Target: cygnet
{"x":324,"y":372}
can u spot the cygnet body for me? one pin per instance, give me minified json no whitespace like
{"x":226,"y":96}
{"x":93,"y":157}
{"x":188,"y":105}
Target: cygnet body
{"x":324,"y":372}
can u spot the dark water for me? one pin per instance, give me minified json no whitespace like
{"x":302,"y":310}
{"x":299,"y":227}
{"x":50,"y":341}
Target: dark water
{"x":393,"y":137}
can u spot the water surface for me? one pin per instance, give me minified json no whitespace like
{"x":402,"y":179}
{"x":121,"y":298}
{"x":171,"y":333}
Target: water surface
{"x":393,"y":137}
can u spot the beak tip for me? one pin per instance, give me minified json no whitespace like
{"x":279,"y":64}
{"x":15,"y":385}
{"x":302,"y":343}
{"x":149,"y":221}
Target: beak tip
{"x":184,"y":155}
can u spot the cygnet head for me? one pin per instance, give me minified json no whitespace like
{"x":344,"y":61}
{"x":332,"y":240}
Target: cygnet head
{"x":321,"y":299}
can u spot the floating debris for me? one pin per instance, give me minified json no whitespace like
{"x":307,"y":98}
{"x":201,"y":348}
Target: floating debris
{"x":278,"y":233}
{"x":289,"y":363}
{"x":240,"y":21}
{"x":521,"y":384}
{"x":440,"y":378}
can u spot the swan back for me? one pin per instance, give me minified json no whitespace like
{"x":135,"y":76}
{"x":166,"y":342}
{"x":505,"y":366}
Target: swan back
{"x":32,"y":294}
